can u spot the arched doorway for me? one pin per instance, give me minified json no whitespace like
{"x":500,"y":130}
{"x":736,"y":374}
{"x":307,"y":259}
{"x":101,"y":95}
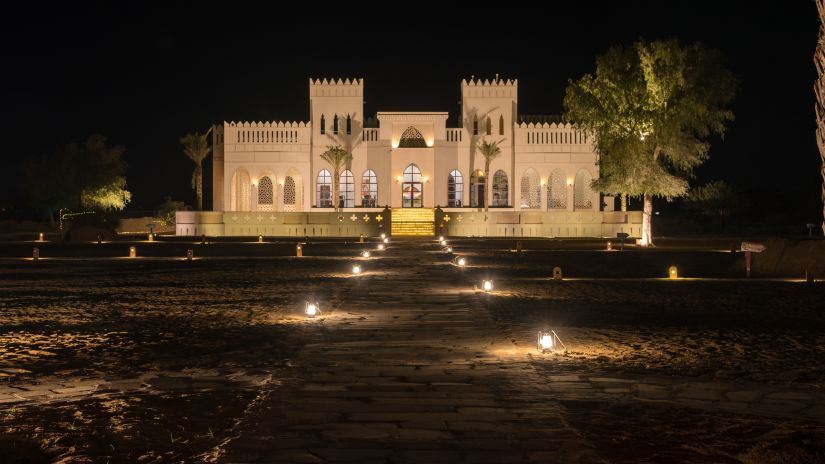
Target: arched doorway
{"x":412,"y":189}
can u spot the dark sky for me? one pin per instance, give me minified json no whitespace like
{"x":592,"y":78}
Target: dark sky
{"x":143,"y":75}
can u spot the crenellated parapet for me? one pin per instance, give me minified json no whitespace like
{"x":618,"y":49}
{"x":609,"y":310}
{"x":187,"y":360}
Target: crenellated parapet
{"x":336,"y":88}
{"x":266,"y":132}
{"x":551,"y":134}
{"x":494,"y":88}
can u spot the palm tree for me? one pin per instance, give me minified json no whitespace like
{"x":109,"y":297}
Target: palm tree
{"x":337,"y":158}
{"x":490,"y":151}
{"x":196,"y":147}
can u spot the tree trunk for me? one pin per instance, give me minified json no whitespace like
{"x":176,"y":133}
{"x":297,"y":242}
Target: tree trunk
{"x":335,"y":186}
{"x":488,"y":185}
{"x":199,"y":185}
{"x":623,"y":202}
{"x":647,"y":217}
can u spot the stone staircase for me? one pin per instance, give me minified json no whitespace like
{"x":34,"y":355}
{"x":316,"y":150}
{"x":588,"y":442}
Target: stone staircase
{"x":413,"y":222}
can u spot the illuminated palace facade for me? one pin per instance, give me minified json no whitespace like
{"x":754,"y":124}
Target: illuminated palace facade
{"x":403,"y":161}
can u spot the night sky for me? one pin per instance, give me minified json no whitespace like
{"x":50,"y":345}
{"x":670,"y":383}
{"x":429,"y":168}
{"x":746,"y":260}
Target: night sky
{"x":143,"y":75}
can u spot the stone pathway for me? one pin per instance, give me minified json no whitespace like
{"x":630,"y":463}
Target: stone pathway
{"x":409,"y":370}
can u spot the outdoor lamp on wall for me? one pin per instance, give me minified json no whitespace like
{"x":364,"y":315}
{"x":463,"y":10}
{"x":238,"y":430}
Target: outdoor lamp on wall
{"x":356,"y":269}
{"x":151,"y":237}
{"x":132,"y":252}
{"x":311,"y":309}
{"x":40,"y":239}
{"x":672,"y":272}
{"x":487,"y":286}
{"x":260,"y":239}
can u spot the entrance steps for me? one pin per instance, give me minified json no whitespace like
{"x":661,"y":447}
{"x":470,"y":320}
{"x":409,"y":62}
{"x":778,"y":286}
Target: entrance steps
{"x":413,"y":222}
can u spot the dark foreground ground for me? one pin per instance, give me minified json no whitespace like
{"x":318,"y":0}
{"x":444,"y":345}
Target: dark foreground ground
{"x":156,"y":359}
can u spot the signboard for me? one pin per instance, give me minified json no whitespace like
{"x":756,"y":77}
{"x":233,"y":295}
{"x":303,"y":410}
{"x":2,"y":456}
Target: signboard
{"x":753,"y":246}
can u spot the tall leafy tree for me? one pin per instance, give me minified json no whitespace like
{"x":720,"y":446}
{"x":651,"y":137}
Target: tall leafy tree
{"x":652,"y":107}
{"x":819,"y":90}
{"x":88,"y":176}
{"x":338,"y":158}
{"x":489,"y":151}
{"x":196,"y":147}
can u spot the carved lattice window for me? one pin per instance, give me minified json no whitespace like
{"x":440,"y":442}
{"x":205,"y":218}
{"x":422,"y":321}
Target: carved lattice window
{"x":289,"y":194}
{"x":412,"y":138}
{"x":266,"y":195}
{"x":582,"y":193}
{"x":557,"y":190}
{"x":500,"y":187}
{"x":530,"y":189}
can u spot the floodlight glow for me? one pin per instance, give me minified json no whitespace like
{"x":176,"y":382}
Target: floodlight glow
{"x":383,"y":235}
{"x":487,"y":285}
{"x":356,"y":269}
{"x":311,"y":309}
{"x":545,"y":341}
{"x":365,"y":254}
{"x":448,"y":250}
{"x":380,"y":247}
{"x":460,"y":261}
{"x":386,"y":240}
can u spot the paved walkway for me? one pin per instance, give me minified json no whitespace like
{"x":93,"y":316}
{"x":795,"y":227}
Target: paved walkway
{"x":409,"y":370}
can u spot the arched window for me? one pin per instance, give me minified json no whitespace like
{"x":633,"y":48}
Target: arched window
{"x":455,"y":189}
{"x":489,"y":126}
{"x":346,"y":197}
{"x":412,"y":138}
{"x":335,"y":125}
{"x":324,"y":184}
{"x":323,"y":124}
{"x":349,"y":125}
{"x":266,"y":194}
{"x":501,"y":125}
{"x":582,"y":193}
{"x":557,"y":190}
{"x":475,"y":126}
{"x":240,"y":191}
{"x":477,"y":186}
{"x":289,"y":194}
{"x":530,"y":189}
{"x":500,"y":187}
{"x":369,"y":189}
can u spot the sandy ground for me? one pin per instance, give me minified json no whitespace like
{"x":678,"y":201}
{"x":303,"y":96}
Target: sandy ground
{"x":164,"y":360}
